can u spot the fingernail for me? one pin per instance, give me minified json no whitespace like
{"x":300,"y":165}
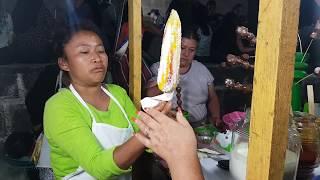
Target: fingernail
{"x":147,"y":109}
{"x":133,"y":119}
{"x":138,"y":114}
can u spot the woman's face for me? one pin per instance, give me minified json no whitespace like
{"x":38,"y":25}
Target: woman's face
{"x":85,"y":59}
{"x":188,"y":51}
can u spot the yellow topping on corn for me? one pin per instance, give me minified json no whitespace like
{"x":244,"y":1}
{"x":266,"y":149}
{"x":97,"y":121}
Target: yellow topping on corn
{"x":168,"y":73}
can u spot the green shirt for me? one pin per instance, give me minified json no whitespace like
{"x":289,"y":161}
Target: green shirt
{"x":67,"y":125}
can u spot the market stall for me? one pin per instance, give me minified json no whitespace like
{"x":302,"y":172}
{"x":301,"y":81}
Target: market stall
{"x":273,"y":75}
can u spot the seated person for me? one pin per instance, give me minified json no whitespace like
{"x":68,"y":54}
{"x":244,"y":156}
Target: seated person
{"x":198,"y":94}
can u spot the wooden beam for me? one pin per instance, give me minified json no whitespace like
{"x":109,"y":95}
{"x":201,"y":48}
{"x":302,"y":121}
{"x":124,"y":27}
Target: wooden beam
{"x":135,"y":37}
{"x":273,"y":76}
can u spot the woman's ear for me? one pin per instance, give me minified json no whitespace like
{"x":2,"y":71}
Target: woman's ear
{"x":63,"y":64}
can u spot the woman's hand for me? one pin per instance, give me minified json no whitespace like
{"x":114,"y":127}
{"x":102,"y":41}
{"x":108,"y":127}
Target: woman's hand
{"x":218,"y":123}
{"x":164,"y":107}
{"x":168,"y":138}
{"x":174,"y":141}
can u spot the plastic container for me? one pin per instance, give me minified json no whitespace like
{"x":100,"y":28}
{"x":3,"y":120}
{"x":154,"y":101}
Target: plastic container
{"x":296,"y":99}
{"x":300,"y":69}
{"x":309,"y":156}
{"x":299,"y":56}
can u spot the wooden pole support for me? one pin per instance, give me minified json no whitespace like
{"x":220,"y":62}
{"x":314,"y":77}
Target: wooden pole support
{"x":273,"y":77}
{"x":135,"y":38}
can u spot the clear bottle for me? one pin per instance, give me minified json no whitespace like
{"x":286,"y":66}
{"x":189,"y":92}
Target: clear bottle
{"x":239,"y":153}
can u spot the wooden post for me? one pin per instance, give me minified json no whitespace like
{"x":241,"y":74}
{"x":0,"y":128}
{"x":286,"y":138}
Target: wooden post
{"x":135,"y":52}
{"x":273,"y":76}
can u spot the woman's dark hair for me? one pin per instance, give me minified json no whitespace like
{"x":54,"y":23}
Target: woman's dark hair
{"x":190,"y":34}
{"x":64,"y":34}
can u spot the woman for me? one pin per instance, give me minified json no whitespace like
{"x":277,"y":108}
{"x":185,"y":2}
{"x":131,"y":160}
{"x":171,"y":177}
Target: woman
{"x":88,"y":124}
{"x":198,"y":94}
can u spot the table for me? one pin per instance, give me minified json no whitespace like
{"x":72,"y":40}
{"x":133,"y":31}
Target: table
{"x":211,"y":171}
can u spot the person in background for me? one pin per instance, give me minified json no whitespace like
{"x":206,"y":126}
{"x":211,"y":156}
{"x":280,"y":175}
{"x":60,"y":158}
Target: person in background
{"x":32,"y":23}
{"x":309,"y":14}
{"x":173,"y":140}
{"x":198,"y":94}
{"x":243,"y":46}
{"x":44,"y":87}
{"x":205,"y":34}
{"x":120,"y":63}
{"x":89,"y":125}
{"x":214,"y":18}
{"x":226,"y":41}
{"x":156,"y":17}
{"x":186,"y":10}
{"x":6,"y":26}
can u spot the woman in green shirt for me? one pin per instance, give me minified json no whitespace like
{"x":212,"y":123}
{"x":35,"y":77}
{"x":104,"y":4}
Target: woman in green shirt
{"x":88,"y":125}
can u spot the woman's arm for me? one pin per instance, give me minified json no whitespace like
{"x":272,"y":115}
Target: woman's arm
{"x":213,"y":106}
{"x":125,"y":154}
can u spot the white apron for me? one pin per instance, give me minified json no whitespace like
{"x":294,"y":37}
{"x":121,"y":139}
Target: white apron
{"x":108,"y":136}
{"x":44,"y":159}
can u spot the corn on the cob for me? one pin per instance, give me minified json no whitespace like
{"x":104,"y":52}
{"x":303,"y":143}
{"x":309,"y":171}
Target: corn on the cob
{"x":168,"y":72}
